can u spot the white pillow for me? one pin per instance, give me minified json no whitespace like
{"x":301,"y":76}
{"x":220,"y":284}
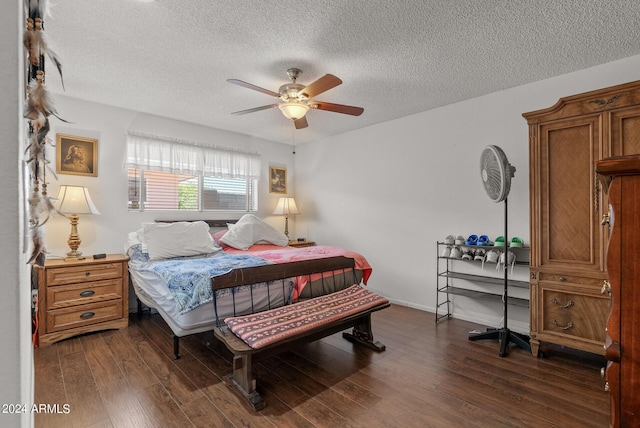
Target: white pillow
{"x":249,"y":230}
{"x":143,"y":241}
{"x":132,"y":239}
{"x":166,"y":240}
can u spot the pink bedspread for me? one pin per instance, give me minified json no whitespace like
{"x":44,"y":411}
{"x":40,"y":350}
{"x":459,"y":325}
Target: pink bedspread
{"x":278,"y":254}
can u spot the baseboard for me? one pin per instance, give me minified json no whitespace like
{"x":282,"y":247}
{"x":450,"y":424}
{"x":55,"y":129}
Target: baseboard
{"x":518,"y":327}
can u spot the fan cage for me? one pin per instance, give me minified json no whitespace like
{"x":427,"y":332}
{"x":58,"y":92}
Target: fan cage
{"x":496,"y":173}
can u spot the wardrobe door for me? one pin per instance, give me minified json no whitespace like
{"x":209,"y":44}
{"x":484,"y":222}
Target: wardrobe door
{"x":622,"y":343}
{"x":625,"y":131}
{"x":569,"y":235}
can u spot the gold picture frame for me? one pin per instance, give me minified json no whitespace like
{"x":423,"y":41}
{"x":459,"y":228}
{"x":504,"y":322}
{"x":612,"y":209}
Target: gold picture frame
{"x":278,"y":180}
{"x":76,"y":155}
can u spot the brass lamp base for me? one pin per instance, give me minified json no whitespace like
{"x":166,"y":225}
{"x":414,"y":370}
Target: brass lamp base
{"x":286,"y":226}
{"x":71,"y":257}
{"x":74,"y":241}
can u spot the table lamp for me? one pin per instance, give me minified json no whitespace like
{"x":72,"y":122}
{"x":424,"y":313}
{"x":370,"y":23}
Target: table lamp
{"x":74,"y":200}
{"x":286,"y":206}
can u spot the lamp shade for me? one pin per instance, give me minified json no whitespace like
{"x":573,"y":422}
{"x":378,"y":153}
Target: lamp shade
{"x":293,"y":110}
{"x":286,"y":206}
{"x":75,"y":200}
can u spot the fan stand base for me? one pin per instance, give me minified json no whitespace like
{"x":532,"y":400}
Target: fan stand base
{"x":504,"y":335}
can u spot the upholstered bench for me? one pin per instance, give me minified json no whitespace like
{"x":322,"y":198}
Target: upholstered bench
{"x":266,"y":333}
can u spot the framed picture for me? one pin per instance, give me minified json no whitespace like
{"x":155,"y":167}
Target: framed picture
{"x":76,"y":155}
{"x":277,"y":180}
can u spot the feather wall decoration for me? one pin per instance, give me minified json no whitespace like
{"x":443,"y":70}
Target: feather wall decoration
{"x":32,"y":41}
{"x":43,"y":131}
{"x":43,"y":208}
{"x":35,"y":151}
{"x":38,"y":252}
{"x":39,"y":104}
{"x":39,"y":8}
{"x":38,"y":109}
{"x":37,"y":155}
{"x":36,"y":45}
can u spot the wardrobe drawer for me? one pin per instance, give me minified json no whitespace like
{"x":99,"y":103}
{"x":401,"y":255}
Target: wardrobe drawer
{"x":570,"y":279}
{"x":78,"y":316}
{"x":574,"y":314}
{"x":75,"y":274}
{"x":79,"y":294}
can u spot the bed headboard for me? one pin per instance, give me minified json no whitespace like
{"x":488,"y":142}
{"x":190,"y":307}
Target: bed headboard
{"x":213,"y":224}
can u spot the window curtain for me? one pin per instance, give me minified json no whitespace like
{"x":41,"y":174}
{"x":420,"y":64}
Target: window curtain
{"x":149,"y":152}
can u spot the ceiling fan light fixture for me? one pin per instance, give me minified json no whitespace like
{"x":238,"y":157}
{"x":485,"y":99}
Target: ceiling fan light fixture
{"x":293,"y":110}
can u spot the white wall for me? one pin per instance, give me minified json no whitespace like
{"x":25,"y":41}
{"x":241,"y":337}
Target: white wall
{"x":16,"y":360}
{"x":390,"y":191}
{"x":107,"y":233}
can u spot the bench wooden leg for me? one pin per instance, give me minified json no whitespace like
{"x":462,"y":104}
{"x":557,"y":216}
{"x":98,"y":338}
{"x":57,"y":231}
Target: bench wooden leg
{"x":243,"y":383}
{"x":363,"y":334}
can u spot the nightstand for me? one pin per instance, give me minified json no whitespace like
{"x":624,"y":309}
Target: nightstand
{"x":300,"y":244}
{"x":76,"y":297}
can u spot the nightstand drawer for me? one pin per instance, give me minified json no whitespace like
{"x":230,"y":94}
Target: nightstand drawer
{"x":64,"y":319}
{"x":78,"y":294}
{"x":75,"y":274}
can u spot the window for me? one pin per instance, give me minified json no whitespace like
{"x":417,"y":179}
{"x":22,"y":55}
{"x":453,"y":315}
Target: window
{"x":175,"y":175}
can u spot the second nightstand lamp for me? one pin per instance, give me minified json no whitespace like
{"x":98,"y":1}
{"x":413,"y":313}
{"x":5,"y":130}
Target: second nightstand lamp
{"x":286,"y":207}
{"x":74,"y":200}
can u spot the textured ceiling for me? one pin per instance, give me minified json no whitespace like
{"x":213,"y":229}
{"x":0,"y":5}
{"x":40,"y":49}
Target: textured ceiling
{"x":172,"y":57}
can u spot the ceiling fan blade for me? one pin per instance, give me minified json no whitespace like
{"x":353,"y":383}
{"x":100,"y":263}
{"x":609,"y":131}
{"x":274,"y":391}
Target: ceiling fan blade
{"x":338,"y":108}
{"x":254,"y":87}
{"x":301,"y":123}
{"x":321,"y":85}
{"x":251,"y":110}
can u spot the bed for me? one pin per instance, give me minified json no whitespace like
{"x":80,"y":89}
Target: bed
{"x":175,"y":280}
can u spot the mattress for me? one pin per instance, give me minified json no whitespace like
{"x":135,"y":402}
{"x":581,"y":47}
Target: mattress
{"x":153,"y":293}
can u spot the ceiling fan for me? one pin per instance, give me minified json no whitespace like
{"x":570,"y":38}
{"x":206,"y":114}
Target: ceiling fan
{"x":296,"y":99}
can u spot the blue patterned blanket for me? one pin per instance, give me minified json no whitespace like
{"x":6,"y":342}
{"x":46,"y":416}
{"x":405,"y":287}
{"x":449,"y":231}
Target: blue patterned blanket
{"x":189,"y":278}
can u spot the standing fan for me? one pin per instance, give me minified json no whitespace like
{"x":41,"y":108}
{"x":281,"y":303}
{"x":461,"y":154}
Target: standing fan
{"x":496,"y":175}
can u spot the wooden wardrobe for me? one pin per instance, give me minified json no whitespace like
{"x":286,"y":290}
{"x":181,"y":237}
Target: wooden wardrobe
{"x":569,"y":288}
{"x":622,"y":345}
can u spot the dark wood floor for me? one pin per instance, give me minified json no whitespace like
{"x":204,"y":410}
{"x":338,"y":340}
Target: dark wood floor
{"x":429,"y":376}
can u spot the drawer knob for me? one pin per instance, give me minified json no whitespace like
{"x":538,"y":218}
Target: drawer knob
{"x":87,"y":315}
{"x":606,"y":287}
{"x":603,"y":371}
{"x":568,"y":305}
{"x":566,"y":327}
{"x":562,"y":279}
{"x":87,"y":273}
{"x":87,"y":293}
{"x":606,"y":387}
